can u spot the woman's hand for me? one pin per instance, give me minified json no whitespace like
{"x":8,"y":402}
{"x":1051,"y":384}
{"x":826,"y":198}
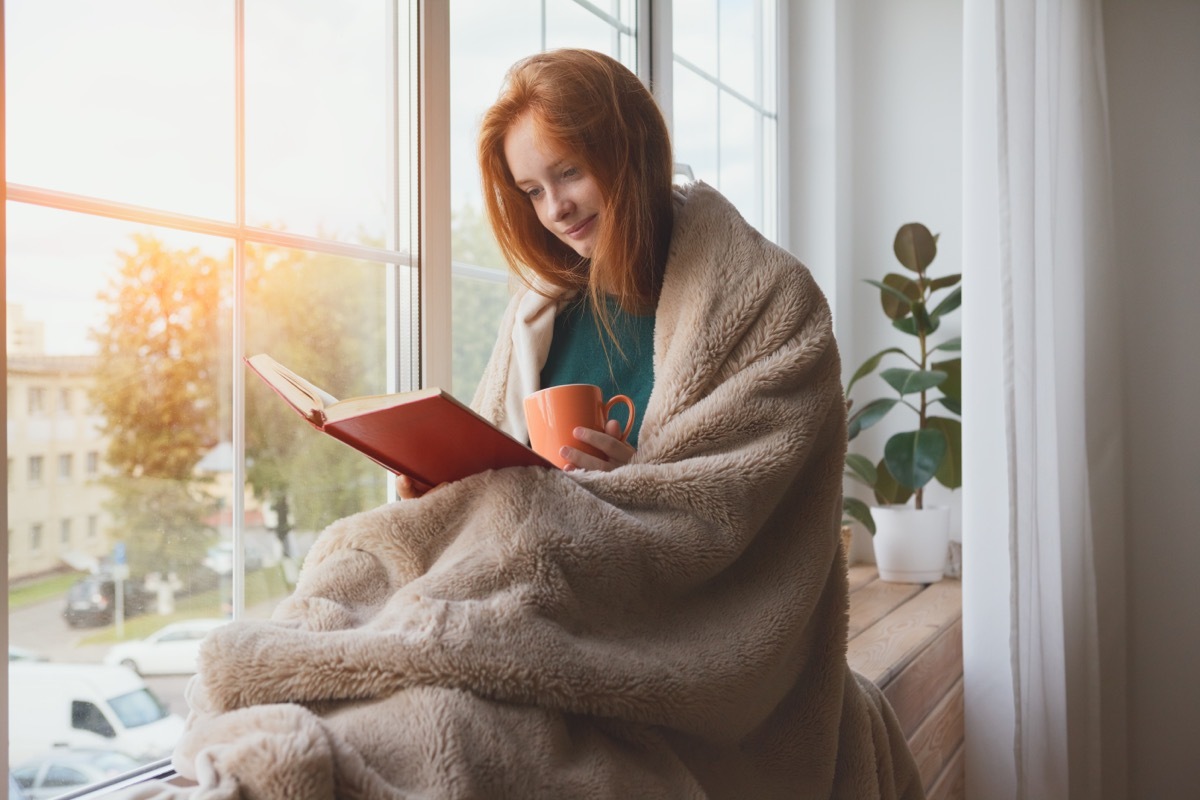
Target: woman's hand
{"x":410,"y":489}
{"x":617,"y":452}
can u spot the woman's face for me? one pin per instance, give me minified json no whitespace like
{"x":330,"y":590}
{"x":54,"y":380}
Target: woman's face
{"x":566,"y":199}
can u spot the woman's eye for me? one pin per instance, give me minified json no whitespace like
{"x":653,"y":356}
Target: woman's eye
{"x":570,"y":172}
{"x":533,"y":193}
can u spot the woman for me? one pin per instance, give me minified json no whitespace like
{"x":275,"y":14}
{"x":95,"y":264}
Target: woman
{"x":668,"y":621}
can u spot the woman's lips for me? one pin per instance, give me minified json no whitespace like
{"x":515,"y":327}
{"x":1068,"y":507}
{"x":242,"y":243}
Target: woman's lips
{"x":581,"y":228}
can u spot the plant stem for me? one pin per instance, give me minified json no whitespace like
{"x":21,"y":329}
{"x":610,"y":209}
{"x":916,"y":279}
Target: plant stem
{"x":919,"y":494}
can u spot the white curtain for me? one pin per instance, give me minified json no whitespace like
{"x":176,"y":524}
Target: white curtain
{"x":1043,"y":580}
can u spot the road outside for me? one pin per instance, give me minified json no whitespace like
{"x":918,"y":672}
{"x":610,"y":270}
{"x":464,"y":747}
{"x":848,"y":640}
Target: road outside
{"x":41,"y":628}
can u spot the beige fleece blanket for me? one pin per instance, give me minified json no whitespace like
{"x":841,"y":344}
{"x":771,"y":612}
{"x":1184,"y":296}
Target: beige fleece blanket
{"x":674,"y":628}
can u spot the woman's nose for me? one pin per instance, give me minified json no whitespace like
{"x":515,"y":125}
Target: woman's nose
{"x":561,"y":205}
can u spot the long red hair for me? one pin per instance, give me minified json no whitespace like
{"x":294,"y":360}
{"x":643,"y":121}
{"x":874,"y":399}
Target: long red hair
{"x":593,"y":107}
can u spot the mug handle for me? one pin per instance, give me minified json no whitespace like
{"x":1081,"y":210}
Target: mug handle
{"x":620,"y":398}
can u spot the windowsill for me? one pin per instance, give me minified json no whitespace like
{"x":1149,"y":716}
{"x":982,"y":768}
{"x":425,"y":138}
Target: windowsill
{"x":907,"y":639}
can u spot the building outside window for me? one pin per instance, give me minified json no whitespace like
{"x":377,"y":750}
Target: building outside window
{"x":64,"y":532}
{"x":93,"y":464}
{"x":66,"y":464}
{"x":35,"y":536}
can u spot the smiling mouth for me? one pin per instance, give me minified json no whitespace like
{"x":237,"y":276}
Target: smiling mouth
{"x":576,"y":230}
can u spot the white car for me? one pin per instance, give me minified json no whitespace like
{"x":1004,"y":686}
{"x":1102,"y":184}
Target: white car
{"x":171,"y":650}
{"x":64,"y":770}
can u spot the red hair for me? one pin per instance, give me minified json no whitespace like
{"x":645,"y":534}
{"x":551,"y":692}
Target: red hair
{"x":593,"y":107}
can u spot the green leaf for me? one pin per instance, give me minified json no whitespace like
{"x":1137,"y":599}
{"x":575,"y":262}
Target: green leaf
{"x":952,"y":386}
{"x":887,"y":490}
{"x":915,"y":246}
{"x":952,"y":405}
{"x":870,"y":364}
{"x":944,"y":282}
{"x":909,"y":325}
{"x":861,"y":469}
{"x":856,"y":509}
{"x":949,"y":474}
{"x":914,"y":457}
{"x":868,"y":415}
{"x":911,"y":381}
{"x":950,"y":345}
{"x":949,"y":303}
{"x":896,"y":294}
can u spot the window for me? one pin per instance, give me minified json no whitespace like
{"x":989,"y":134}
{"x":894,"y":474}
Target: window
{"x":263,"y":201}
{"x":724,"y":101}
{"x":37,"y":401}
{"x":35,"y":469}
{"x":478,"y":60}
{"x":271,"y":186}
{"x":88,"y":717}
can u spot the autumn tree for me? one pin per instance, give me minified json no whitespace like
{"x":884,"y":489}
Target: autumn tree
{"x":158,"y":391}
{"x":324,"y":317}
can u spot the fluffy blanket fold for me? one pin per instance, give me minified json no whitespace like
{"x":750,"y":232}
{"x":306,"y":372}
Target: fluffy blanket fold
{"x":674,"y":628}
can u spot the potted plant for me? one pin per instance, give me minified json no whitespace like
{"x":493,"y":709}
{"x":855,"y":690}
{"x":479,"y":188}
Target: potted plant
{"x":910,"y":538}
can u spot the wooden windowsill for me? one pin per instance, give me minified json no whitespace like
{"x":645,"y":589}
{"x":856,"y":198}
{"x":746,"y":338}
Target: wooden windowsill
{"x":907,"y":639}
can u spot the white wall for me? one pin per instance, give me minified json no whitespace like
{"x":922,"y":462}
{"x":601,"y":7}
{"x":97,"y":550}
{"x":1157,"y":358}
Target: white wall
{"x":1153,"y":62}
{"x":875,"y":102}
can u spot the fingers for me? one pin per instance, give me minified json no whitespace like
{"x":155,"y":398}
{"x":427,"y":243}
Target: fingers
{"x":409,"y":489}
{"x":616,"y":452}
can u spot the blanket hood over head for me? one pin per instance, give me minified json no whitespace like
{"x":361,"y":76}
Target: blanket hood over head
{"x":673,"y":628}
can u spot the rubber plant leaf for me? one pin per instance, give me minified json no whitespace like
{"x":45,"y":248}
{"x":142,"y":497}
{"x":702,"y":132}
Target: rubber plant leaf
{"x":856,"y":509}
{"x":869,"y":366}
{"x":949,"y":303}
{"x":868,"y":415}
{"x":952,"y":386}
{"x":896,"y":294}
{"x":944,"y":282}
{"x":888,"y":490}
{"x":914,"y":457}
{"x":915,"y":246}
{"x":911,"y":381}
{"x":949,"y":473}
{"x":950,"y":345}
{"x":860,"y":468}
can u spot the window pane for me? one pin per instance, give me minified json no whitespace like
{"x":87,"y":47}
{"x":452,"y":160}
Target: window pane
{"x":694,"y":34}
{"x":137,"y":322}
{"x":695,"y":131}
{"x":740,"y":173}
{"x":486,"y":38}
{"x":739,"y":42}
{"x":316,"y":138}
{"x":325,"y":318}
{"x":128,"y":100}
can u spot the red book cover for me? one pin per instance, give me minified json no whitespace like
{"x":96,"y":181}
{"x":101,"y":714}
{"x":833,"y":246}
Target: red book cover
{"x":426,"y":434}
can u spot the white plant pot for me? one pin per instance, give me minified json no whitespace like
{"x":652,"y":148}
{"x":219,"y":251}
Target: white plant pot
{"x":911,"y":544}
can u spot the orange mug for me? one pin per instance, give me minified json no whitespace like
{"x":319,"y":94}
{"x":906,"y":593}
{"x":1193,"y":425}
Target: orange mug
{"x":553,"y":414}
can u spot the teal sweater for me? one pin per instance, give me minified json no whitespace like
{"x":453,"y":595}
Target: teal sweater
{"x":581,"y":353}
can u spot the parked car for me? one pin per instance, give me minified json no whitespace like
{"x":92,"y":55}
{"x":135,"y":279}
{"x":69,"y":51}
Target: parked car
{"x":91,"y":601}
{"x":85,"y":706}
{"x":15,"y":792}
{"x":24,"y":654}
{"x":171,"y":650}
{"x":63,"y":770}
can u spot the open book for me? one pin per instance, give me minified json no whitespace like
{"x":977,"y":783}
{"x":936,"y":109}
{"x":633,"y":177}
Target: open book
{"x":425,"y":434}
